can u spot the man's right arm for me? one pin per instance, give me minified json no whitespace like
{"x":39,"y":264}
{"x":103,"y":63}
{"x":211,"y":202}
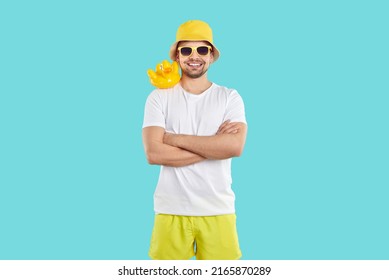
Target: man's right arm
{"x":162,"y":154}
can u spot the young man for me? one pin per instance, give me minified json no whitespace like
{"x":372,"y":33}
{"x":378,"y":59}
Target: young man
{"x":193,"y":130}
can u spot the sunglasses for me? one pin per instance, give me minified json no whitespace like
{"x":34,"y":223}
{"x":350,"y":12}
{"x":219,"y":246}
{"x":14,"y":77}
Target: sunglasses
{"x":201,"y":50}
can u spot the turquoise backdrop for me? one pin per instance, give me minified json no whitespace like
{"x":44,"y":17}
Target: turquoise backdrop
{"x":313,"y":182}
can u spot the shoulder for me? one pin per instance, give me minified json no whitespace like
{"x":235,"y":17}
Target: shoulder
{"x":229,"y":92}
{"x":162,"y":94}
{"x":233,"y":100}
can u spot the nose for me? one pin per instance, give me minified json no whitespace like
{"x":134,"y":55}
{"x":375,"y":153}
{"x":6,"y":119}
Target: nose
{"x":194,"y":53}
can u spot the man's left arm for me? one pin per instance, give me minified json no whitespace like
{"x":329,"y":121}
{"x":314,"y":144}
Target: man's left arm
{"x":228,"y":142}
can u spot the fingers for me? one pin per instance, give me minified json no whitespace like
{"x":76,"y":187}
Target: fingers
{"x":223,"y":125}
{"x":228,"y":127}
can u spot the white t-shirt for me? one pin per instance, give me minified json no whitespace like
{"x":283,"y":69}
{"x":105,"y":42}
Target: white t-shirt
{"x":203,"y":188}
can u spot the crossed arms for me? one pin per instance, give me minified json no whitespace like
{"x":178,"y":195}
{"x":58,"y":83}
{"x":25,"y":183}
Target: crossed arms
{"x":177,"y":150}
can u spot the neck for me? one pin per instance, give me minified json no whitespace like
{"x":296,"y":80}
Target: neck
{"x":195,"y":86}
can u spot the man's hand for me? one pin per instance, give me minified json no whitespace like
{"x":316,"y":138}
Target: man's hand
{"x":168,"y":138}
{"x":159,"y":153}
{"x":165,"y":76}
{"x":228,"y":127}
{"x":228,"y":141}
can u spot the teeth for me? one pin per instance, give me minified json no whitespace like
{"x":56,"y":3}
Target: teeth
{"x":192,"y":64}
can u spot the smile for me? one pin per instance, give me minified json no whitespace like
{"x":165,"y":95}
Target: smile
{"x":194,"y":64}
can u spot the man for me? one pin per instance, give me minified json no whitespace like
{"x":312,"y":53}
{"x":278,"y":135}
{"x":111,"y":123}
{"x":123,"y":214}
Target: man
{"x":193,"y":130}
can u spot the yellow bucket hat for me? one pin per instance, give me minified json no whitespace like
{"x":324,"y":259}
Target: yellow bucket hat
{"x":194,"y":30}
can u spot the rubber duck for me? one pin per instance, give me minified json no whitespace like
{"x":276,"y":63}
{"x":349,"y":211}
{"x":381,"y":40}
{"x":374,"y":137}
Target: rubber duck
{"x":166,"y":75}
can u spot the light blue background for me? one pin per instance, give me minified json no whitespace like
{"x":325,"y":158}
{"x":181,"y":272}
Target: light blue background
{"x":313,"y":180}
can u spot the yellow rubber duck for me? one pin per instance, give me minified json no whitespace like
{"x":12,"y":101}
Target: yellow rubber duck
{"x":165,"y":76}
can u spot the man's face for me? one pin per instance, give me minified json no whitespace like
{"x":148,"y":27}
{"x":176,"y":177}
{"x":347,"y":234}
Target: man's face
{"x":195,"y":65}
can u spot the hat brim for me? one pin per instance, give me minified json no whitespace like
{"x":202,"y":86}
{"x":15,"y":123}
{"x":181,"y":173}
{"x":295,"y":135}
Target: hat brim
{"x":173,"y":51}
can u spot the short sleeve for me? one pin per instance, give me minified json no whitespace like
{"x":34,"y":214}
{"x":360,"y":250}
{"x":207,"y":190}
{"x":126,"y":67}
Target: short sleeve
{"x":235,"y":111}
{"x":153,"y":115}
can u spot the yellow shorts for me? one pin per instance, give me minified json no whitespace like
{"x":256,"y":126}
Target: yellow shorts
{"x":206,"y":237}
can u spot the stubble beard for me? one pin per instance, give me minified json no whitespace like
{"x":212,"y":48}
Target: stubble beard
{"x":194,"y":74}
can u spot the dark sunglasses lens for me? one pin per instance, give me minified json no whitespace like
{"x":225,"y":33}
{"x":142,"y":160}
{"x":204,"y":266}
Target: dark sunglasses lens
{"x":202,"y":50}
{"x":186,"y":51}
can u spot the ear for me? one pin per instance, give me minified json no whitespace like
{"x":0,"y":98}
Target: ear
{"x":211,"y":57}
{"x":177,"y":57}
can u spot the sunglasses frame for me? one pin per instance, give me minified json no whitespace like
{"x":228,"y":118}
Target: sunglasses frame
{"x":195,"y":48}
